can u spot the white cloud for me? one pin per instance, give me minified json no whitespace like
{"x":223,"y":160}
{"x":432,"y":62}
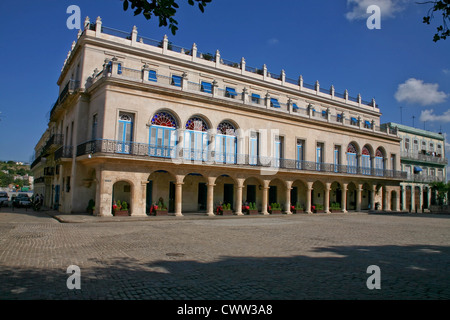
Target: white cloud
{"x":428,"y":115}
{"x":272,"y":41}
{"x":416,"y":91}
{"x":446,"y":71}
{"x":387,"y":8}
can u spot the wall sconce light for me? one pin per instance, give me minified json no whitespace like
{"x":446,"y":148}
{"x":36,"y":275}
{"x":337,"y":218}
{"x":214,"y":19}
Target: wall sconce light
{"x":259,"y":187}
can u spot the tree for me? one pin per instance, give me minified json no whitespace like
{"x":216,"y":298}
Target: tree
{"x":442,"y":189}
{"x":163,"y":9}
{"x":442,"y":6}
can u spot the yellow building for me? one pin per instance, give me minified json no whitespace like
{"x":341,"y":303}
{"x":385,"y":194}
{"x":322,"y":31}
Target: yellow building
{"x":140,"y":121}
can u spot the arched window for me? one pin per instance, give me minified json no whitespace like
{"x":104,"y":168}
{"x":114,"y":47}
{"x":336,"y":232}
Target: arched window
{"x":196,"y":139}
{"x":226,"y":143}
{"x":162,"y":137}
{"x":352,"y":158}
{"x":379,"y":162}
{"x":365,"y":161}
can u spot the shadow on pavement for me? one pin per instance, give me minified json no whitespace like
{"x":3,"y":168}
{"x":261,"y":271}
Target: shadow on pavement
{"x":333,"y":272}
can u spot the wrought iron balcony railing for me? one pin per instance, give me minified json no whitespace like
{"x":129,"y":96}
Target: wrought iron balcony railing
{"x":211,"y":157}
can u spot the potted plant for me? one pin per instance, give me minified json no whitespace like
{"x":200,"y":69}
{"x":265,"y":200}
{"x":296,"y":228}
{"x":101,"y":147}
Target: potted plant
{"x":275,"y":208}
{"x":120,"y":208}
{"x":160,"y":208}
{"x":90,"y":206}
{"x":250,"y":208}
{"x":335,"y":207}
{"x":298,"y":208}
{"x":318,"y":208}
{"x":226,"y":209}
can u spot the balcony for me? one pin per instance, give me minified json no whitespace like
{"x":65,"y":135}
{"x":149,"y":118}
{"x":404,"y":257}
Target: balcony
{"x":70,"y":87}
{"x":210,"y":157}
{"x":63,"y":153}
{"x":49,"y":171}
{"x":424,"y":178}
{"x":424,"y":157}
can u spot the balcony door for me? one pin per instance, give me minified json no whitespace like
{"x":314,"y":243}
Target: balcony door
{"x":125,"y":134}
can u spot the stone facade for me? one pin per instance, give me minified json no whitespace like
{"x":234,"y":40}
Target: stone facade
{"x":142,"y":121}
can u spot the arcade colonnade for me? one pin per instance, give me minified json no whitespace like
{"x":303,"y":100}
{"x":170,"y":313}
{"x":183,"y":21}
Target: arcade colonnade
{"x":188,"y":191}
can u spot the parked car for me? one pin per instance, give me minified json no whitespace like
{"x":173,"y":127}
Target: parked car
{"x":22,"y":200}
{"x":4,"y":198}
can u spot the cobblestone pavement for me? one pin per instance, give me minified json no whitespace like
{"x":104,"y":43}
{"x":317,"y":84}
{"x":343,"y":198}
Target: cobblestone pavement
{"x":195,"y":257}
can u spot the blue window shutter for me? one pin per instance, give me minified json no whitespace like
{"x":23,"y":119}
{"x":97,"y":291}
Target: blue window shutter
{"x":230,"y":92}
{"x":176,"y":81}
{"x":206,"y":87}
{"x":119,"y":68}
{"x":152,"y":76}
{"x":295,"y":106}
{"x":274,"y":103}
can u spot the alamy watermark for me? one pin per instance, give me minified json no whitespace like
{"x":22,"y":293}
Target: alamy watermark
{"x":74,"y":280}
{"x":74,"y":20}
{"x":373,"y":281}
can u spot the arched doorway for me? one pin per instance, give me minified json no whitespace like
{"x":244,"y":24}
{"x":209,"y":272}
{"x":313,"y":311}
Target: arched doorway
{"x":224,"y":191}
{"x":318,"y":196}
{"x":252,"y":192}
{"x":298,"y":194}
{"x":195,"y":192}
{"x":336,"y":196}
{"x":160,"y":188}
{"x":122,"y":192}
{"x":351,"y":196}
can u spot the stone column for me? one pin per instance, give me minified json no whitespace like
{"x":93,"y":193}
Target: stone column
{"x":386,"y":201}
{"x":403,"y":195}
{"x":178,"y":194}
{"x":210,"y":196}
{"x":429,"y":197}
{"x":413,"y":201}
{"x":420,"y":198}
{"x":287,"y":204}
{"x":373,"y":192}
{"x":238,"y":204}
{"x":265,"y":197}
{"x":344,"y":197}
{"x":358,"y":197}
{"x":327,"y":197}
{"x":309,"y":187}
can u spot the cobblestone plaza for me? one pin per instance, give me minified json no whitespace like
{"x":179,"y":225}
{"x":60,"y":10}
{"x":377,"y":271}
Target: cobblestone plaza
{"x":280,"y":257}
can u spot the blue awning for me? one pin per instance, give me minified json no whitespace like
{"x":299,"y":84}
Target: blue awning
{"x":354,"y":119}
{"x":274,"y":102}
{"x":231,"y":91}
{"x":176,"y":81}
{"x":324,"y":113}
{"x":257,"y":96}
{"x":206,"y":87}
{"x":152,"y":76}
{"x":417,"y":169}
{"x":367,"y":123}
{"x":295,"y":106}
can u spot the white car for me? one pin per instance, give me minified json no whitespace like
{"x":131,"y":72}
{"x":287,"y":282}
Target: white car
{"x":4,"y":198}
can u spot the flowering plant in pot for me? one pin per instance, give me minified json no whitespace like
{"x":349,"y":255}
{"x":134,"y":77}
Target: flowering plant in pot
{"x":298,"y":208}
{"x":160,"y":208}
{"x":275,"y":208}
{"x":250,"y":208}
{"x":120,"y":208}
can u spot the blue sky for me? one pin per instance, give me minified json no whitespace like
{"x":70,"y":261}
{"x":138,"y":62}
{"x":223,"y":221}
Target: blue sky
{"x":399,"y":65}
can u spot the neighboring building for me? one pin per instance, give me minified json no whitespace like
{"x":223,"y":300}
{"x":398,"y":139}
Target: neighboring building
{"x":423,"y":158}
{"x":137,"y":120}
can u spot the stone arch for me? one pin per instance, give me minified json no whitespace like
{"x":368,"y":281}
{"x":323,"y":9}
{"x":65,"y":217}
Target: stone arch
{"x":351,"y":196}
{"x":336,"y":196}
{"x":252,"y":191}
{"x":160,"y":186}
{"x":194,"y":192}
{"x":298,"y":193}
{"x":123,"y":191}
{"x":318,"y":195}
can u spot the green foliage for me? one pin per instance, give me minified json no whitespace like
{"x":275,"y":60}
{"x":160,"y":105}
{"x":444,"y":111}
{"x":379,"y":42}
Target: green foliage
{"x":124,"y":205}
{"x":335,"y":206}
{"x":298,"y":206}
{"x":226,"y":206}
{"x":91,"y":205}
{"x":275,"y":206}
{"x":252,"y":206}
{"x":163,"y":9}
{"x":442,"y":7}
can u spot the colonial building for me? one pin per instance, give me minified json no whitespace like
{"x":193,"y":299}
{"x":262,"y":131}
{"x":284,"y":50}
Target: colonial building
{"x":422,"y":157}
{"x":140,"y":121}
